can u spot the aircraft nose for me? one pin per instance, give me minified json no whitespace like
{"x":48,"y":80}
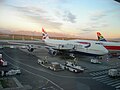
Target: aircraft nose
{"x":105,"y":51}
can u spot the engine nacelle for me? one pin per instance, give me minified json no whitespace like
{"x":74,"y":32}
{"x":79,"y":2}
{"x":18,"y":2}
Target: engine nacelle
{"x":30,"y":48}
{"x":53,"y":52}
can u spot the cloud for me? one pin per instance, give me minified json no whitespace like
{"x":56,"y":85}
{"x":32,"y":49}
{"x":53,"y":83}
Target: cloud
{"x":46,"y":22}
{"x":98,"y":15}
{"x":88,"y":30}
{"x":96,"y":21}
{"x":39,"y":15}
{"x":68,"y":16}
{"x":93,"y":27}
{"x":43,"y":16}
{"x":31,"y":11}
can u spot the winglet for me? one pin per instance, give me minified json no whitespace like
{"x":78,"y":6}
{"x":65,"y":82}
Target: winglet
{"x":100,"y":37}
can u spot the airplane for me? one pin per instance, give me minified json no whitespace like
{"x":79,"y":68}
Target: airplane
{"x":110,"y":46}
{"x":84,"y":46}
{"x":56,"y":46}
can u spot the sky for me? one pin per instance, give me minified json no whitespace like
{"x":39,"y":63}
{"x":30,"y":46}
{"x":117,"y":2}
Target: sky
{"x":78,"y":18}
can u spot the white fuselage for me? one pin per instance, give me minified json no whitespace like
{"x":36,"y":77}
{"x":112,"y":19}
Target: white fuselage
{"x":110,"y":46}
{"x":76,"y":45}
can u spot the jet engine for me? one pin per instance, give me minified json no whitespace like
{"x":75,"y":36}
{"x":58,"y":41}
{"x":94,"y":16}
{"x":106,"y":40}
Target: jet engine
{"x":30,"y":48}
{"x":53,"y":52}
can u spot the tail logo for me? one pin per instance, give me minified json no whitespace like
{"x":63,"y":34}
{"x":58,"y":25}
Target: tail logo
{"x":100,"y":37}
{"x":85,"y":43}
{"x":44,"y":34}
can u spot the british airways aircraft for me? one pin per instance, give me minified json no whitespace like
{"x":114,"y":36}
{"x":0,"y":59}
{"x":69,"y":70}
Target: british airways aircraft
{"x":56,"y":46}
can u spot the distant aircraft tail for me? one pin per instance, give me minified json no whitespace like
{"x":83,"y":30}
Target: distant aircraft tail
{"x":100,"y":37}
{"x":44,"y":35}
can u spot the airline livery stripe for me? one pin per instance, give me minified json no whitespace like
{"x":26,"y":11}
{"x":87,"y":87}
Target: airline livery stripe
{"x":112,"y":47}
{"x":84,"y":42}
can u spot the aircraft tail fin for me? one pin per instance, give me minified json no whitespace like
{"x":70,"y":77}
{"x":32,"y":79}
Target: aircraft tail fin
{"x":100,"y":37}
{"x":44,"y":35}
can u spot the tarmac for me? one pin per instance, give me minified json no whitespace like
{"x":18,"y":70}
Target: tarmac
{"x":36,"y":77}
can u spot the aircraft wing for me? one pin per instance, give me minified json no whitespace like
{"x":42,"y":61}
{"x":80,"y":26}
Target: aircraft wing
{"x":13,"y":44}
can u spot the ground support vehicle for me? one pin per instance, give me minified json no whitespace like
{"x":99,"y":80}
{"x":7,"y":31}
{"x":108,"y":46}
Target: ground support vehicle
{"x":114,"y":73}
{"x":55,"y":66}
{"x":10,"y":72}
{"x":73,"y":67}
{"x":118,"y":57}
{"x":95,"y":61}
{"x":2,"y":62}
{"x":13,"y":72}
